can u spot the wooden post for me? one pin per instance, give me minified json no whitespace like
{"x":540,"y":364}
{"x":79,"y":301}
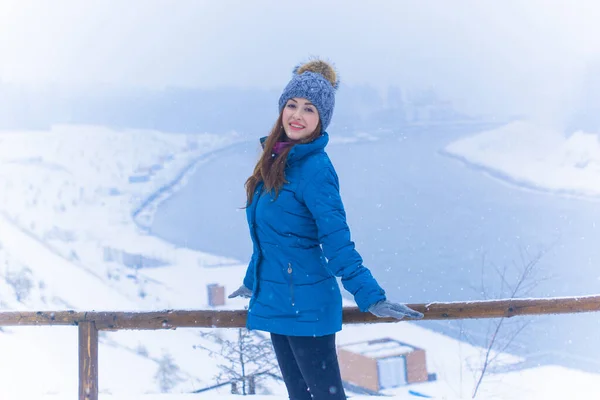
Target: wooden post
{"x":88,"y":361}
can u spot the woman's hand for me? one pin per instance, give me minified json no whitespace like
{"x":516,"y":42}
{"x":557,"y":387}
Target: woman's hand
{"x":242,"y":291}
{"x":395,"y":310}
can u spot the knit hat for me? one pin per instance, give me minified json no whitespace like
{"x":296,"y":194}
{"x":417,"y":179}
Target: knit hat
{"x":317,"y":82}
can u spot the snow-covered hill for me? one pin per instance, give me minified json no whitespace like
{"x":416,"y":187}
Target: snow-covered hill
{"x":74,"y":202}
{"x":536,"y":157}
{"x":68,"y":240}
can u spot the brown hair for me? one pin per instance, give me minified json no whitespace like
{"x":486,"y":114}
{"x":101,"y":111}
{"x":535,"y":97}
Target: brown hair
{"x":271,"y":169}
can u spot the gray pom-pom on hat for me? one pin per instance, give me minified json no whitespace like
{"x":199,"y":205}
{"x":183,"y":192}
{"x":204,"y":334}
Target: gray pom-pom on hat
{"x":316,"y":81}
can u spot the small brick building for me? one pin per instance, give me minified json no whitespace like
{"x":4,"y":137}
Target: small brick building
{"x":382,"y":364}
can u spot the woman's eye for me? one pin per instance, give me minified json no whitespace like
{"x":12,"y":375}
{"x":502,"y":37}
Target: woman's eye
{"x":291,"y":106}
{"x":308,"y":109}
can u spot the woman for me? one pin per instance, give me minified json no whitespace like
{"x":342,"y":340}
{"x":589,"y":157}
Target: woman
{"x":302,"y":242}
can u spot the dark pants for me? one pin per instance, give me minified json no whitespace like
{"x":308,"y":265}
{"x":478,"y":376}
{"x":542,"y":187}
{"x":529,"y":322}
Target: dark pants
{"x":309,"y":363}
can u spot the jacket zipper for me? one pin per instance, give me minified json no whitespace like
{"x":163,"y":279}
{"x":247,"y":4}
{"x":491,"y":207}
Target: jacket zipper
{"x":290,"y":273}
{"x":255,"y":237}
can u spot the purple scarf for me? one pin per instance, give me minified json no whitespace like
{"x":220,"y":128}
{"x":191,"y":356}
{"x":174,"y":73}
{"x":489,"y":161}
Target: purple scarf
{"x":280,"y":146}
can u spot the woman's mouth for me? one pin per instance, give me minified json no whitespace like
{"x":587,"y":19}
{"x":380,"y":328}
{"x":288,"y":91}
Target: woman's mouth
{"x":296,"y":127}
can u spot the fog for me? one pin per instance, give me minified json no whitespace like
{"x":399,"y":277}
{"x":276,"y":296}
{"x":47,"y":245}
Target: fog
{"x":504,"y":58}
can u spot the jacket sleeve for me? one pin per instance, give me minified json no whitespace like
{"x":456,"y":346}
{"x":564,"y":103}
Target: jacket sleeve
{"x":249,"y":278}
{"x":322,"y":197}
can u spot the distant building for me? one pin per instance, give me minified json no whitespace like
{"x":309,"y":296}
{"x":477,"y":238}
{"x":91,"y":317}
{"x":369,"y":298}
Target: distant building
{"x":216,"y":294}
{"x":382,"y":364}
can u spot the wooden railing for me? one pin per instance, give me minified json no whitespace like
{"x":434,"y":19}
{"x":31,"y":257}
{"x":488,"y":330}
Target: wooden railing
{"x":90,"y":322}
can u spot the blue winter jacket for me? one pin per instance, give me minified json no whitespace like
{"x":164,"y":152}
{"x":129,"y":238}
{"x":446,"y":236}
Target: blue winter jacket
{"x":301,"y":242}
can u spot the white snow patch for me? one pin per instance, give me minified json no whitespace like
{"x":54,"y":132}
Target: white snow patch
{"x":536,"y":157}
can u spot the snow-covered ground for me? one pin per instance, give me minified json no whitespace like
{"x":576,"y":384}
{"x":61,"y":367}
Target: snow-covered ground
{"x":73,"y":205}
{"x":536,"y":157}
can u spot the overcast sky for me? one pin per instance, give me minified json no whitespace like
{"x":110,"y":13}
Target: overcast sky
{"x":505,"y":55}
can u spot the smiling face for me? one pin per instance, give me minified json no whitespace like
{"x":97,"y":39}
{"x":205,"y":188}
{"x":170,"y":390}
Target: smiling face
{"x":299,"y":118}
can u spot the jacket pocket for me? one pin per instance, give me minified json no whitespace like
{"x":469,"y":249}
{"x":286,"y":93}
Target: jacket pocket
{"x":290,"y":272}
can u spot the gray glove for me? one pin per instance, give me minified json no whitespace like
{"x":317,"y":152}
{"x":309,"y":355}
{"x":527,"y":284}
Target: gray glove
{"x":385,"y":308}
{"x":242,"y":291}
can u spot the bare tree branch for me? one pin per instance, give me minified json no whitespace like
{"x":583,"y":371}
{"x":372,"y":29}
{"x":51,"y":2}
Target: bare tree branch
{"x":249,"y":359}
{"x":526,"y":281}
{"x":509,"y":342}
{"x":502,"y":276}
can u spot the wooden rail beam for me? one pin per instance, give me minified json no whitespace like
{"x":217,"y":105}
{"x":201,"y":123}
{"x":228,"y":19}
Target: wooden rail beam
{"x":172,"y":319}
{"x":489,"y":309}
